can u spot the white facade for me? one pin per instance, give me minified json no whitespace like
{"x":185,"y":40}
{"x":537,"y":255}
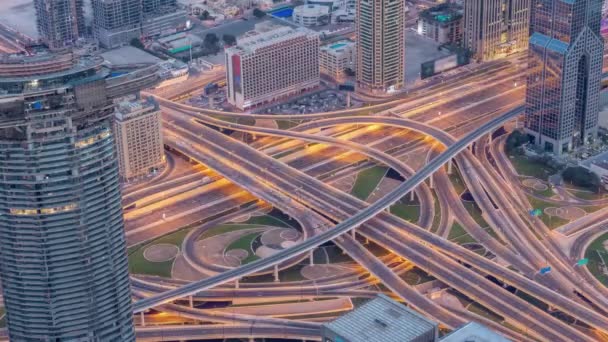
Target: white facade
{"x":139,"y":140}
{"x":269,"y":63}
{"x":311,"y":15}
{"x":337,"y":57}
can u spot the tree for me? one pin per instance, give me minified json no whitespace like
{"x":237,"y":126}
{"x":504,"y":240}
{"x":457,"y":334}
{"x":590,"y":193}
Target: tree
{"x":515,"y":140}
{"x":204,"y":16}
{"x":229,"y":39}
{"x":137,"y":43}
{"x":210,"y":43}
{"x":582,"y":177}
{"x":210,"y":40}
{"x":258,"y":13}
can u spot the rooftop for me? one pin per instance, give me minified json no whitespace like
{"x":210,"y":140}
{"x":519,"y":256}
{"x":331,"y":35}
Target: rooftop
{"x":82,"y":64}
{"x":311,"y":10}
{"x":381,"y":320}
{"x":267,"y":35}
{"x":473,"y":332}
{"x":129,"y":55}
{"x":338,"y":47}
{"x":444,"y":13}
{"x":132,"y":108}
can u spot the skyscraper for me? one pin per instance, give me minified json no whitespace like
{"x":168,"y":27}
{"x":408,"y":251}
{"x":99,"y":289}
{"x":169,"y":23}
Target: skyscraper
{"x":155,"y":5}
{"x":380,"y":30}
{"x":63,"y":263}
{"x":116,"y":22}
{"x":60,"y":22}
{"x":496,"y":28}
{"x":565,"y":70}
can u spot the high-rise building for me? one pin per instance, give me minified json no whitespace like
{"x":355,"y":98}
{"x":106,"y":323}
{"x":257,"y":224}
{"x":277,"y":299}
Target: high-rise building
{"x":60,"y":22}
{"x":155,"y":5}
{"x":271,"y":62}
{"x":139,"y":139}
{"x":442,"y":23}
{"x":496,"y":28}
{"x":63,"y":263}
{"x":116,"y":22}
{"x":564,"y":73}
{"x":380,"y":31}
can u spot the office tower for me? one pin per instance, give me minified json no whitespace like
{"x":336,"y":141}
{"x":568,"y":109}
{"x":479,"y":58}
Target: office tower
{"x":564,"y":73}
{"x":380,"y":320}
{"x":116,"y":22}
{"x":139,"y":139}
{"x":496,"y":28}
{"x":60,"y":22}
{"x":271,"y":62}
{"x":380,"y":31}
{"x":63,"y":263}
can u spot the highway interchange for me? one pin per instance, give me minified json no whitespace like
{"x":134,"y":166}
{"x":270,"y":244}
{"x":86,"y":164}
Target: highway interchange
{"x":298,"y":185}
{"x":448,"y":126}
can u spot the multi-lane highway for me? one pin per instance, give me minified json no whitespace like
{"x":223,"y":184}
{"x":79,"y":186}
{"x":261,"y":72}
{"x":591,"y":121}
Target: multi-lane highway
{"x":216,"y":137}
{"x":486,"y":98}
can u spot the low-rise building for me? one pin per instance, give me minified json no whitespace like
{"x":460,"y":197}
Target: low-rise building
{"x":598,"y":164}
{"x":335,"y":58}
{"x":473,"y":332}
{"x":311,"y":15}
{"x":381,"y":320}
{"x":442,"y":23}
{"x":139,"y":141}
{"x":270,"y":63}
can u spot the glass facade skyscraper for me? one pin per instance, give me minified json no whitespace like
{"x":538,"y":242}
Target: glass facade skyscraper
{"x":496,"y":28}
{"x":565,"y":70}
{"x":63,"y":262}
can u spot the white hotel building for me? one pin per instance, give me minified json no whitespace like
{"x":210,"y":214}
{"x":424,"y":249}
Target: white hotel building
{"x":335,"y":58}
{"x":270,"y":63}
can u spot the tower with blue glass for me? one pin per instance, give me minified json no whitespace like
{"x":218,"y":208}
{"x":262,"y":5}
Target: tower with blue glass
{"x":564,"y":74}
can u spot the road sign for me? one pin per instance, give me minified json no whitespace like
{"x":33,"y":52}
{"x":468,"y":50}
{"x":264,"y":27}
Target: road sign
{"x":535,"y":212}
{"x":545,"y":270}
{"x":582,"y":262}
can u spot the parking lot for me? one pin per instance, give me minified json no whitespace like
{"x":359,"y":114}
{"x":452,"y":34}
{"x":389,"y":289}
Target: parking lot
{"x":326,"y":100}
{"x":214,"y":100}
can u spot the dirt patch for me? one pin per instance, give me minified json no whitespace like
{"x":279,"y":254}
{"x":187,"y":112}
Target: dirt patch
{"x":566,"y":213}
{"x":314,"y":272}
{"x":386,"y":185}
{"x":234,"y":257}
{"x":345,"y":184}
{"x":535,"y":184}
{"x":275,"y":237}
